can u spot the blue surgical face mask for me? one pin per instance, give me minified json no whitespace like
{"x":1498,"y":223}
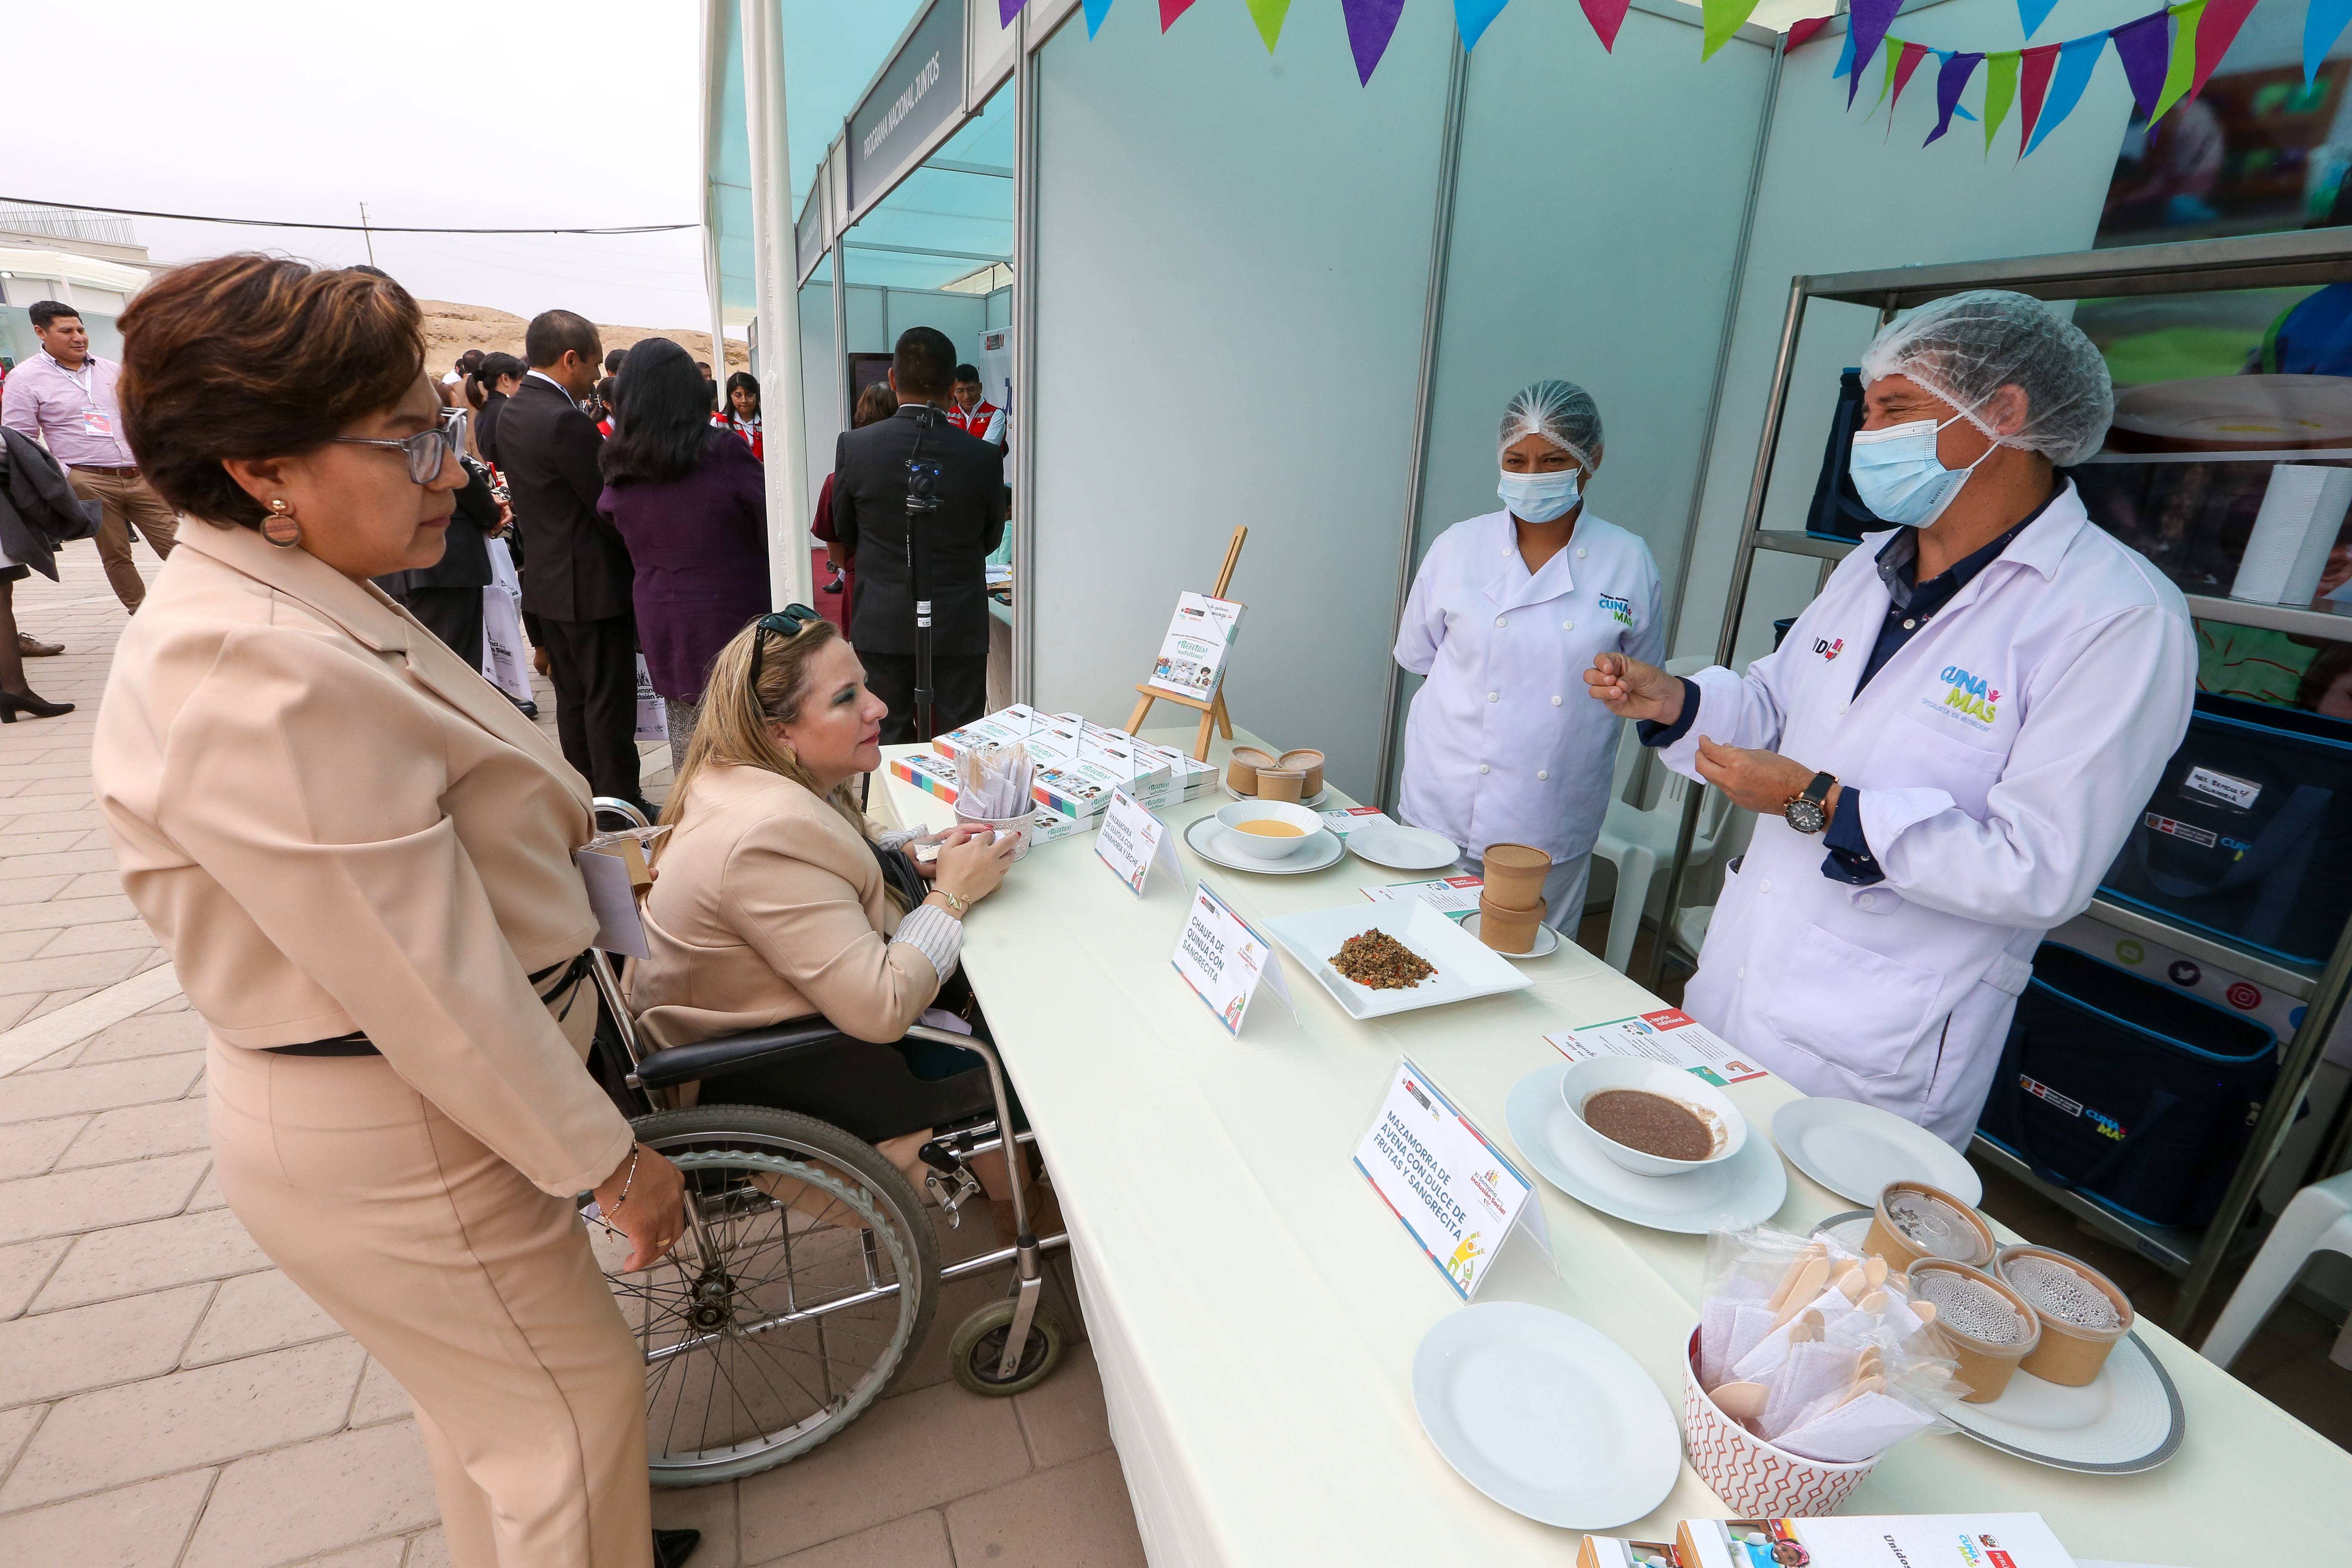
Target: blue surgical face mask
{"x":1898,"y":475}
{"x":1539,"y":497}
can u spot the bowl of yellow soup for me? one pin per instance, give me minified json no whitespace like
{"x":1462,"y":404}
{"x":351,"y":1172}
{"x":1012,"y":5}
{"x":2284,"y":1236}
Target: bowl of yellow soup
{"x":1269,"y":829}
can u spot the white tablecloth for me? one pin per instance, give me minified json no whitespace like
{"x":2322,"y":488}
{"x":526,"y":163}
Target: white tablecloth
{"x":1254,"y":1307}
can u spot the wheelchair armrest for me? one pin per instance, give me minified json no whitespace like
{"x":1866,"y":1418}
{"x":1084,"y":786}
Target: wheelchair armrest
{"x":730,"y":1053}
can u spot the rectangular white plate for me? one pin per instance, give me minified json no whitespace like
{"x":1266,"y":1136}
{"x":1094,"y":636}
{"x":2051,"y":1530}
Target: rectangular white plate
{"x":1466,"y":967}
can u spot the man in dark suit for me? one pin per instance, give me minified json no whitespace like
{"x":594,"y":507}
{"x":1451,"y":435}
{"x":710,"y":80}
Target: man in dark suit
{"x":951,"y":545}
{"x":578,"y":583}
{"x":447,"y":595}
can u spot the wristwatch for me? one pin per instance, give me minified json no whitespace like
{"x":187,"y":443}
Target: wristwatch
{"x":1805,"y":811}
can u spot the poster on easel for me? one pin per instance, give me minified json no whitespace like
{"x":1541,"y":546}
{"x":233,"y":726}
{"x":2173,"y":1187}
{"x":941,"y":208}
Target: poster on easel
{"x":1192,"y":660}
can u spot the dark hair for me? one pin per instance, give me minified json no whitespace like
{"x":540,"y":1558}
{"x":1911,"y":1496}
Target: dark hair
{"x":662,"y":429}
{"x":554,"y":333}
{"x":968,"y":372}
{"x":45,"y":311}
{"x":2324,"y":671}
{"x":495,"y":366}
{"x":743,"y":378}
{"x":470,"y":361}
{"x":613,"y":361}
{"x":256,"y":356}
{"x":608,"y":391}
{"x":923,"y":362}
{"x":875,"y":403}
{"x":372,"y":270}
{"x":703,"y":366}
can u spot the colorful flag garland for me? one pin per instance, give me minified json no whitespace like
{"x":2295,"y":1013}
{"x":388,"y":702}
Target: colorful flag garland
{"x":2168,"y":56}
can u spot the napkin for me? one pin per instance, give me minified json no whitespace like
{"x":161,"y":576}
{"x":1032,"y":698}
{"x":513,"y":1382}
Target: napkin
{"x":1854,"y":1431}
{"x":1728,"y":1330}
{"x":1811,"y":1374}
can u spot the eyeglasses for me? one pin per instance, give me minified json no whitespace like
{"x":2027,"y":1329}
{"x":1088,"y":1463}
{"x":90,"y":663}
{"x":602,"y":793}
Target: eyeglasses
{"x":785,"y":623}
{"x":427,"y":449}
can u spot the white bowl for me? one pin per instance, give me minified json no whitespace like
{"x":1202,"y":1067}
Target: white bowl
{"x":1257,"y":846}
{"x":1587,"y":1079}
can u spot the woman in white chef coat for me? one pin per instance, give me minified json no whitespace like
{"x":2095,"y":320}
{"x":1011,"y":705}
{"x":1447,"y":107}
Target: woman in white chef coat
{"x":1506,"y":611}
{"x":1949,"y":746}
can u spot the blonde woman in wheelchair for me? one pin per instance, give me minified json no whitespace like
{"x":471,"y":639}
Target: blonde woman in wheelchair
{"x":792,"y":950}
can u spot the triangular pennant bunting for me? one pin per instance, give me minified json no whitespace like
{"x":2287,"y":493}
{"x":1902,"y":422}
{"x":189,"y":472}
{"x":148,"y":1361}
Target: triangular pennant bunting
{"x":2180,"y":67}
{"x":2143,"y":47}
{"x":2000,"y":92}
{"x":1172,"y":9}
{"x":2032,"y":13}
{"x":2321,"y":26}
{"x":1950,"y":78}
{"x":1470,"y":17}
{"x":1096,"y":11}
{"x":1008,"y":9}
{"x":1606,"y":17}
{"x":1723,"y":18}
{"x":1268,"y":16}
{"x":1845,"y":64}
{"x":2215,"y":34}
{"x":2077,"y":58}
{"x":1900,"y":64}
{"x":1869,"y":21}
{"x":1801,"y":33}
{"x":1371,"y":24}
{"x":2034,"y":66}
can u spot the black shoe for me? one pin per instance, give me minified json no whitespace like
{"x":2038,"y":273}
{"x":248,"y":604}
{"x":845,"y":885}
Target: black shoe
{"x":673,"y":1547}
{"x":15,"y":703}
{"x":526,"y":707}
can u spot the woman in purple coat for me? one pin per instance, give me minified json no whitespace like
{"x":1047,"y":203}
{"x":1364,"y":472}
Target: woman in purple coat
{"x":690,"y":500}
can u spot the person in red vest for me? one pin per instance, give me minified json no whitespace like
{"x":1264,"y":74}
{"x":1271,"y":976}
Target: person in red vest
{"x":970,"y":413}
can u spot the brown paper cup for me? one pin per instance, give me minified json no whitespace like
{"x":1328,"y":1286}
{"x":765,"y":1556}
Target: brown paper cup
{"x":1240,"y":769}
{"x":1282,"y":784}
{"x":1309,"y":762}
{"x":1515,"y":877}
{"x":1508,"y":931}
{"x":1885,"y":1241}
{"x":2069,"y":1354}
{"x":1985,"y":1367}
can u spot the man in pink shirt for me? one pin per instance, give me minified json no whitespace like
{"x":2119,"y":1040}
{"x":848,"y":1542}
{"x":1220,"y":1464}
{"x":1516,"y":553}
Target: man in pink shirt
{"x":64,"y":398}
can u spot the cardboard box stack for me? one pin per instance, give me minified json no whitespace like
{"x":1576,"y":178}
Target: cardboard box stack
{"x":1079,"y":763}
{"x":1884,"y":1541}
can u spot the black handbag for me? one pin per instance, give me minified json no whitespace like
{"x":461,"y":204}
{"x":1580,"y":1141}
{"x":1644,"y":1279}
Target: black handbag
{"x":1837,"y":511}
{"x":2249,"y":834}
{"x":2126,"y":1091}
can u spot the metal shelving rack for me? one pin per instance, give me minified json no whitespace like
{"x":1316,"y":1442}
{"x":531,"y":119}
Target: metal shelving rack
{"x":2258,"y":261}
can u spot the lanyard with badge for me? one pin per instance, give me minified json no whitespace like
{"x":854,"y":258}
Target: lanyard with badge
{"x":94,"y":421}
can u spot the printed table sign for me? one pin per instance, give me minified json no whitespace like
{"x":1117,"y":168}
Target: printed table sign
{"x":1668,"y":1036}
{"x":1131,"y":841}
{"x":1454,"y":1192}
{"x":1456,"y":898}
{"x":1348,"y":818}
{"x":1224,"y":961}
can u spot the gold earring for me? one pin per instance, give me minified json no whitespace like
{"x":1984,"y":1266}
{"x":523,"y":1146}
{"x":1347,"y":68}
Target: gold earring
{"x":279,"y":527}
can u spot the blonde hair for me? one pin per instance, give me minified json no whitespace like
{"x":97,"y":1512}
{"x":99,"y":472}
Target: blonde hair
{"x":734,"y":726}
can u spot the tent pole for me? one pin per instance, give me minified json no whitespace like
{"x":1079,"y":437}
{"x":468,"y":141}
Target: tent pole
{"x":775,"y":252}
{"x":1024,"y":412}
{"x":714,"y":284}
{"x":1432,"y":315}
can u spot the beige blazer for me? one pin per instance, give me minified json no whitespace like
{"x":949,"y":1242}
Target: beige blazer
{"x":333,"y":824}
{"x":768,"y":906}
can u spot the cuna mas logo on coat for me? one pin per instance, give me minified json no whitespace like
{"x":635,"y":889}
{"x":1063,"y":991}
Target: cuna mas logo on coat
{"x":1966,"y":696}
{"x":1621,"y":607}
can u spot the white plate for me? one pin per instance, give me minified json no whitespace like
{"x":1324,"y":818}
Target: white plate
{"x":2125,"y":1420}
{"x":2256,"y":412}
{"x":1546,"y":939}
{"x":1854,"y":1150}
{"x":1546,"y":1414}
{"x":1405,"y":848}
{"x":1310,"y":803}
{"x":1205,"y":837}
{"x":1740,"y":1190}
{"x":1466,"y":967}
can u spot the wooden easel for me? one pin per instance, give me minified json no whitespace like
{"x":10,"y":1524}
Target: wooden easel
{"x":1213,"y":716}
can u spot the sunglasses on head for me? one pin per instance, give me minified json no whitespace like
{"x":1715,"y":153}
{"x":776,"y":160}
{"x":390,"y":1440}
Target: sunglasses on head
{"x":787,"y":622}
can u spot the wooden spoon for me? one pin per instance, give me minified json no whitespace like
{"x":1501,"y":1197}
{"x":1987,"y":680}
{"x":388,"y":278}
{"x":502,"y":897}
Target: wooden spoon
{"x":1875,"y":1270}
{"x":1741,"y":1401}
{"x":1804,"y":1287}
{"x":1795,"y":1271}
{"x":1873,"y":1303}
{"x":1862,"y":1385}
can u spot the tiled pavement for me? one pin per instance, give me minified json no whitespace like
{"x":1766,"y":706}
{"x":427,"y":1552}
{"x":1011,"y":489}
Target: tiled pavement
{"x":167,"y":1398}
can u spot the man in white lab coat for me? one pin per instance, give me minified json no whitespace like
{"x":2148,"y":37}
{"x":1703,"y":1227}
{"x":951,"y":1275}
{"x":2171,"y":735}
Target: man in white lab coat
{"x":1947,"y":748}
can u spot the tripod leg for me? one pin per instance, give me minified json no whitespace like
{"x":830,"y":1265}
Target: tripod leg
{"x":1142,"y":711}
{"x":1208,"y":725}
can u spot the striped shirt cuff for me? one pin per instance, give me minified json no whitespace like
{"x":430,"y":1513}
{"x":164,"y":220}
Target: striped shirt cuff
{"x":936,"y":934}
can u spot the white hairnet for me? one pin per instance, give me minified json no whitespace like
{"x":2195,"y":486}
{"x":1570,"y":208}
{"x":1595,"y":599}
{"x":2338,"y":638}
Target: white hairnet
{"x":1562,"y":413}
{"x":1966,"y":347}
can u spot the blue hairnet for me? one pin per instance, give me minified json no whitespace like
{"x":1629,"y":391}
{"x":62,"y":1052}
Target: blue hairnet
{"x":1966,"y":347}
{"x":1562,"y":413}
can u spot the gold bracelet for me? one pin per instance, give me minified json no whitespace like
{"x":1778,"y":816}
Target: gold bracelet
{"x":958,"y":904}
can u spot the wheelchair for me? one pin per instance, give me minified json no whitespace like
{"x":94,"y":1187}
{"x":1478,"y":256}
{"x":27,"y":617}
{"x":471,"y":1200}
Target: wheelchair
{"x":809,"y":1270}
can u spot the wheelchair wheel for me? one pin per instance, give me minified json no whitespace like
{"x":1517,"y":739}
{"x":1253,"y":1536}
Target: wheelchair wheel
{"x":808,"y":1273}
{"x":978,"y":1348}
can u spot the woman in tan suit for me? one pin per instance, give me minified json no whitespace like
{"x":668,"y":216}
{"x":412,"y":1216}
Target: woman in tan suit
{"x":775,"y":900}
{"x":358,"y":855}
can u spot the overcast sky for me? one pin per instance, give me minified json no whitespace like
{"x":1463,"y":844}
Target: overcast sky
{"x":489,"y":113}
